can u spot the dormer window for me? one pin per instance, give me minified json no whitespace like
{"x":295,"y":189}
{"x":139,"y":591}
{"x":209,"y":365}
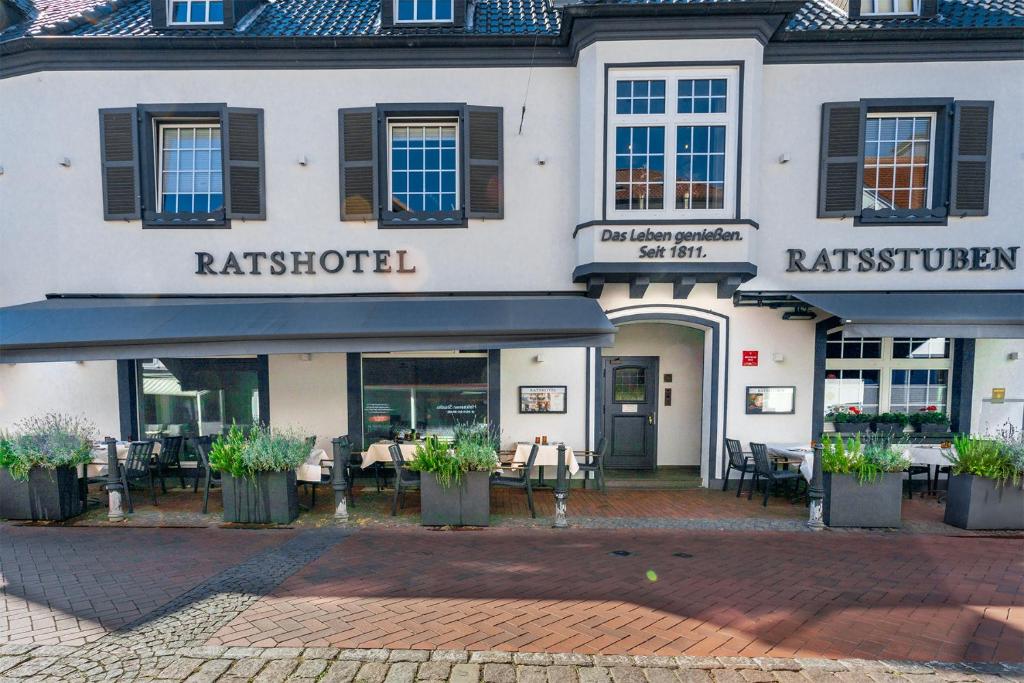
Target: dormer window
{"x":201,"y":12}
{"x":423,"y":11}
{"x":889,"y":8}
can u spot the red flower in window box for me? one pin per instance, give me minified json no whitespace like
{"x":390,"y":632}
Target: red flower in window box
{"x":855,"y":410}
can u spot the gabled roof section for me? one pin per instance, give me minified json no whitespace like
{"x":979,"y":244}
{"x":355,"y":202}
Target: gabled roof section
{"x":816,"y":19}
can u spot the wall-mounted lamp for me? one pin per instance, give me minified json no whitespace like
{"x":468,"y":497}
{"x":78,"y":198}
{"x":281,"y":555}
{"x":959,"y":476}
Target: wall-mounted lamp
{"x":306,"y":357}
{"x":1013,"y":355}
{"x":541,"y":161}
{"x":303,"y":161}
{"x":1,"y":170}
{"x":783,"y":158}
{"x":778,"y":357}
{"x":65,"y":162}
{"x":539,"y":358}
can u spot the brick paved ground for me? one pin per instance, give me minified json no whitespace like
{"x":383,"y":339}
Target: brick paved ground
{"x":70,"y":586}
{"x":835,"y":595}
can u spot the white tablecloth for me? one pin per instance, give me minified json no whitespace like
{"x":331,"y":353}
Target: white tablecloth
{"x":928,"y":455}
{"x":378,"y":452}
{"x":100,"y":458}
{"x":795,"y":451}
{"x":312,"y":470}
{"x":547,"y":456}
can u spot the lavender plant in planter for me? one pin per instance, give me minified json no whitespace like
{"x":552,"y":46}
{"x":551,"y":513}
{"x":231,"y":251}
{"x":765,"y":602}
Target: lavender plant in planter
{"x":863,"y":486}
{"x":986,"y":483}
{"x":38,"y":467}
{"x":258,"y":473}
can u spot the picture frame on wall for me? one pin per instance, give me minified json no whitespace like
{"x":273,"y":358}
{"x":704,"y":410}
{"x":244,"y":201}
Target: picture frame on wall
{"x":542,"y":399}
{"x":771,"y":400}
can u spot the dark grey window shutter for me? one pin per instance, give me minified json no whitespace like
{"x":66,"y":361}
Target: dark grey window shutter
{"x":483,"y":176}
{"x":357,"y":136}
{"x":972,"y":158}
{"x":840,"y":180}
{"x":387,"y":13}
{"x":458,"y":12}
{"x":158,"y":13}
{"x":119,"y":159}
{"x":929,"y":8}
{"x":245,"y":182}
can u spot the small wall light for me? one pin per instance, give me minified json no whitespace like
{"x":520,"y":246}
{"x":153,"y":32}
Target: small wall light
{"x":1013,"y":355}
{"x":541,"y":161}
{"x":778,"y":357}
{"x":783,"y":158}
{"x":303,"y":161}
{"x":539,"y":358}
{"x":306,"y":357}
{"x":65,"y":162}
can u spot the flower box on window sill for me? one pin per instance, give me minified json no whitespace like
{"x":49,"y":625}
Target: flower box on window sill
{"x":184,"y":220}
{"x":423,"y":219}
{"x":913,"y":216}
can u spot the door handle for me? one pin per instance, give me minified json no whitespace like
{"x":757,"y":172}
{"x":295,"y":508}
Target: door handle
{"x":650,"y":419}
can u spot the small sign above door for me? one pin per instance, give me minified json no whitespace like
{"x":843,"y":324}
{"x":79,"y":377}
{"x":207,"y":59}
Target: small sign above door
{"x":749,"y":358}
{"x":629,"y":408}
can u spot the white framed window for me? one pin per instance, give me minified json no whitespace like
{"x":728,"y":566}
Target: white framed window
{"x":886,"y":374}
{"x":423,"y":11}
{"x":899,"y":152}
{"x":190,"y":176}
{"x":423,"y":165}
{"x":672,"y":143}
{"x":889,"y":7}
{"x":196,"y":12}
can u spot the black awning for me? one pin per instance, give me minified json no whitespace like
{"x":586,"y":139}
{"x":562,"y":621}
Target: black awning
{"x":105,"y":328}
{"x":978,"y":315}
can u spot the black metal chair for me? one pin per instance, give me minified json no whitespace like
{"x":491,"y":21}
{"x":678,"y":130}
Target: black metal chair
{"x":739,"y":461}
{"x":168,"y":461}
{"x":915,"y":470}
{"x":404,"y":477}
{"x":764,"y":469}
{"x":521,"y":480}
{"x":137,"y":466}
{"x":593,"y":463}
{"x":210,"y":476}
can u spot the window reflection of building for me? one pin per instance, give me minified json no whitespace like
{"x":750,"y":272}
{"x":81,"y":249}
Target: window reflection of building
{"x":197,"y":397}
{"x":430,"y":395}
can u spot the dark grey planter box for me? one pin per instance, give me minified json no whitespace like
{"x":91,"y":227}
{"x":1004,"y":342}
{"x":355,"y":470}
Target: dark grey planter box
{"x":980,"y":503}
{"x":876,"y":504}
{"x":887,"y":428}
{"x":50,"y":495}
{"x":933,"y":428}
{"x":468,"y":504}
{"x":269,"y":498}
{"x":852,"y":427}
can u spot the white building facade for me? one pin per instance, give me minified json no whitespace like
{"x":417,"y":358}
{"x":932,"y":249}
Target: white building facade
{"x":660,"y":224}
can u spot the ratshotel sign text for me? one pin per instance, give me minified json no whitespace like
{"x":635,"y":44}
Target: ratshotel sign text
{"x":331,"y":261}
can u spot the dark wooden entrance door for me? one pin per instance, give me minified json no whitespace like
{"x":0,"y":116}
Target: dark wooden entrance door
{"x":631,"y":411}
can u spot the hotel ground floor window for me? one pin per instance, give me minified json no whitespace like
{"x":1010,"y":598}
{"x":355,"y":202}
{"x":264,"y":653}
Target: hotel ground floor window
{"x":430,"y":395}
{"x":886,"y":374}
{"x":197,"y":396}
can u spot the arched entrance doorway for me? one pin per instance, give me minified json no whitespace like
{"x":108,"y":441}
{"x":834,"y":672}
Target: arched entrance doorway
{"x":658,"y":395}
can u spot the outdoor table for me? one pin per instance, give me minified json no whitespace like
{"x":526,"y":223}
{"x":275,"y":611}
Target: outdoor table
{"x":378,"y":452}
{"x":795,"y":451}
{"x":546,"y":456}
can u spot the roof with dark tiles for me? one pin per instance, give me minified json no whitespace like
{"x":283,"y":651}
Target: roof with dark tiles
{"x":361,"y":18}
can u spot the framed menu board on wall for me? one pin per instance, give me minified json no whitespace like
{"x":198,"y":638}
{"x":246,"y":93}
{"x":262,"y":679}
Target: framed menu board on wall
{"x":771,"y":400}
{"x":547,"y":399}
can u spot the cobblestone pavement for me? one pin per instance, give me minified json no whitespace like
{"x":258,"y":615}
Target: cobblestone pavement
{"x":42,"y":664}
{"x":675,"y":593}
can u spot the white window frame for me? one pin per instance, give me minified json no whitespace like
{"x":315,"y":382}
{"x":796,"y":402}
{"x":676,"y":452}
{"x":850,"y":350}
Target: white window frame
{"x":416,"y":20}
{"x":161,"y":127}
{"x":670,"y":121}
{"x":933,"y":118}
{"x":189,"y":22}
{"x":875,"y":13}
{"x":426,"y":120}
{"x":886,"y":364}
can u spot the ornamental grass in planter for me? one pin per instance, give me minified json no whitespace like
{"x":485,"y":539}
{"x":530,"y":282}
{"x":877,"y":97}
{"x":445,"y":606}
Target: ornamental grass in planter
{"x":257,"y":469}
{"x":38,"y":467}
{"x":863,"y":480}
{"x":455,"y":485}
{"x":986,"y":482}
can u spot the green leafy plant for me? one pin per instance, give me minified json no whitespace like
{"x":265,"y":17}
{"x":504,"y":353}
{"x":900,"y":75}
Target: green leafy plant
{"x":242,"y":453}
{"x":851,"y":415}
{"x":49,"y":441}
{"x":983,"y":457}
{"x":474,"y":449}
{"x":868,"y":460}
{"x":929,"y":415}
{"x":893,"y":418}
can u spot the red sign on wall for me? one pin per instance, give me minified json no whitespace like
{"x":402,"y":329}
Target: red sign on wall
{"x":750,"y":358}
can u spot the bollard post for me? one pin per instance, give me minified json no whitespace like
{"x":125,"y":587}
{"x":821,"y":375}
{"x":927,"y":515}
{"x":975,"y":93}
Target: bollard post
{"x":115,"y":490}
{"x":561,"y":491}
{"x":342,"y":448}
{"x":816,"y":493}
